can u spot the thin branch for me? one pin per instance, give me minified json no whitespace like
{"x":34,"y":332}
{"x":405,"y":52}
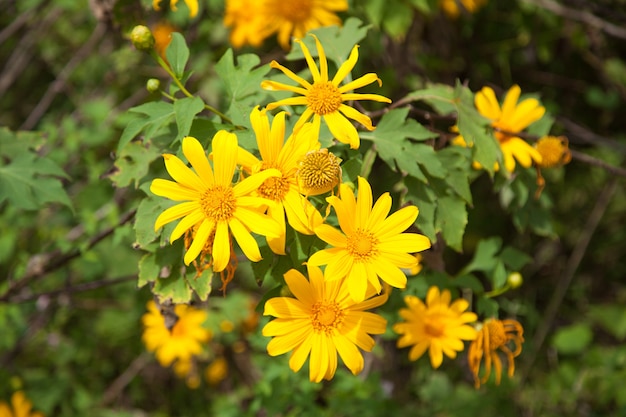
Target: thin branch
{"x":86,"y":286}
{"x":42,"y":264}
{"x":59,"y":83}
{"x":116,"y":388}
{"x":570,"y":270}
{"x":582,"y":16}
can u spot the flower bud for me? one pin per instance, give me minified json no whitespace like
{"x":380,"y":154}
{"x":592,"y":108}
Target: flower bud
{"x":515,"y":280}
{"x":153,"y":85}
{"x":142,"y":38}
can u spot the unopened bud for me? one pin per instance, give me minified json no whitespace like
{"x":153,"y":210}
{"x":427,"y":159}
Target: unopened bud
{"x":142,"y":38}
{"x":515,"y":280}
{"x":153,"y":85}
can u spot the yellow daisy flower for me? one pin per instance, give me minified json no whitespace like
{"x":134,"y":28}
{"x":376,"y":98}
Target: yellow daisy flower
{"x":554,"y":151}
{"x":283,"y":190}
{"x":493,"y":336}
{"x":212,"y":203}
{"x":451,"y":7}
{"x":511,"y":118}
{"x":297,"y":17}
{"x":437,"y":326}
{"x":191,"y":4}
{"x":370,"y":244}
{"x":248,"y":27}
{"x":21,"y":407}
{"x":181,"y":342}
{"x":321,"y":321}
{"x":324,"y":98}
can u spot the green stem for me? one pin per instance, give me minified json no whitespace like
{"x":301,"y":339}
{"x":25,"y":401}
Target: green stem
{"x":499,"y":291}
{"x":182,"y":88}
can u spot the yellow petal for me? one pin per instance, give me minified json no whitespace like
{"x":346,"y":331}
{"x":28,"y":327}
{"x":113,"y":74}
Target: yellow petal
{"x":436,"y":354}
{"x":199,"y":240}
{"x":299,"y":286}
{"x":510,"y":102}
{"x":173,"y":190}
{"x":257,"y":222}
{"x":346,"y":67}
{"x":286,"y":307}
{"x":221,"y":247}
{"x":405,"y":242}
{"x":364,"y":203}
{"x":291,"y":101}
{"x":277,"y":244}
{"x":196,"y":155}
{"x":182,"y":174}
{"x":379,"y":211}
{"x":244,"y":239}
{"x":278,"y":86}
{"x":362,"y":81}
{"x":301,"y":353}
{"x":193,"y":7}
{"x":175,"y":212}
{"x":331,"y":235}
{"x":389,"y":273}
{"x":283,"y":344}
{"x":345,"y":207}
{"x":487,"y":103}
{"x":357,"y":281}
{"x":342,"y":129}
{"x":253,"y":182}
{"x":357,"y":96}
{"x":418,"y":350}
{"x":526,"y":113}
{"x":322,"y":59}
{"x":289,"y":74}
{"x":356,"y":115}
{"x":318,"y":362}
{"x":309,"y":60}
{"x":224,"y":157}
{"x":349,"y":354}
{"x":276,"y":139}
{"x":187,"y":223}
{"x":397,"y":223}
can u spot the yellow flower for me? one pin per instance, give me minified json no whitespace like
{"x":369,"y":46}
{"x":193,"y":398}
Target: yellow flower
{"x":245,"y":19}
{"x":217,"y":371}
{"x":493,"y":336}
{"x":297,"y":17}
{"x":20,"y":405}
{"x":437,"y":326}
{"x":162,"y":32}
{"x":283,"y":190}
{"x":554,"y":151}
{"x":512,"y":118}
{"x":451,"y":7}
{"x":321,"y":321}
{"x":318,"y":172}
{"x":182,"y":342}
{"x":370,"y":244}
{"x":324,"y":98}
{"x":191,"y":4}
{"x":212,"y":203}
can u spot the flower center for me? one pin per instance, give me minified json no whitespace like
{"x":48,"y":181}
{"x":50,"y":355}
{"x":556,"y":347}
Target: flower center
{"x":554,"y":151}
{"x":218,"y":203}
{"x":319,"y":172}
{"x":362,"y":245}
{"x":178,"y":330}
{"x":323,"y":98}
{"x":274,"y":188}
{"x":497,"y":336}
{"x":295,"y":11}
{"x":433,"y":328}
{"x":326,"y":316}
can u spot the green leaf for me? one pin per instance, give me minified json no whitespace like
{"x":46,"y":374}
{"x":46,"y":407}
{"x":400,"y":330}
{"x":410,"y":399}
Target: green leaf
{"x":242,"y":83}
{"x":452,"y":219}
{"x":154,"y":116}
{"x":185,"y":110}
{"x":177,"y":54}
{"x":424,"y":198}
{"x":499,"y":275}
{"x":485,"y":256}
{"x":572,"y":339}
{"x":201,"y":284}
{"x":440,"y":97}
{"x":514,"y":259}
{"x":398,"y":19}
{"x":611,"y":317}
{"x":132,"y":163}
{"x":149,"y":270}
{"x":174,"y":288}
{"x":147,"y":213}
{"x":469,"y":281}
{"x":394,"y":147}
{"x":27,"y":182}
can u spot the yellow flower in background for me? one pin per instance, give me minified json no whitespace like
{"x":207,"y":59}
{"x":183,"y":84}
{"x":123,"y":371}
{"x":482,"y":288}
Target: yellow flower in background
{"x":321,"y":321}
{"x":162,"y":33}
{"x":369,"y":245}
{"x":247,"y":25}
{"x":217,"y":371}
{"x":182,"y":342}
{"x":211,"y":205}
{"x":508,"y":120}
{"x":283,"y":190}
{"x":493,"y":336}
{"x":20,"y":407}
{"x":451,"y":7}
{"x":554,"y":151}
{"x":324,"y":98}
{"x":437,"y":326}
{"x":191,"y":4}
{"x":297,"y":17}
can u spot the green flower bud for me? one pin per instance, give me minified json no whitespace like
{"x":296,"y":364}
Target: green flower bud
{"x":515,"y":280}
{"x":153,"y":85}
{"x":142,"y":38}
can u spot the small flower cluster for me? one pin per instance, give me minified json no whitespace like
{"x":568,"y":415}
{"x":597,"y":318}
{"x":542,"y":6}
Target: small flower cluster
{"x":327,"y":316}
